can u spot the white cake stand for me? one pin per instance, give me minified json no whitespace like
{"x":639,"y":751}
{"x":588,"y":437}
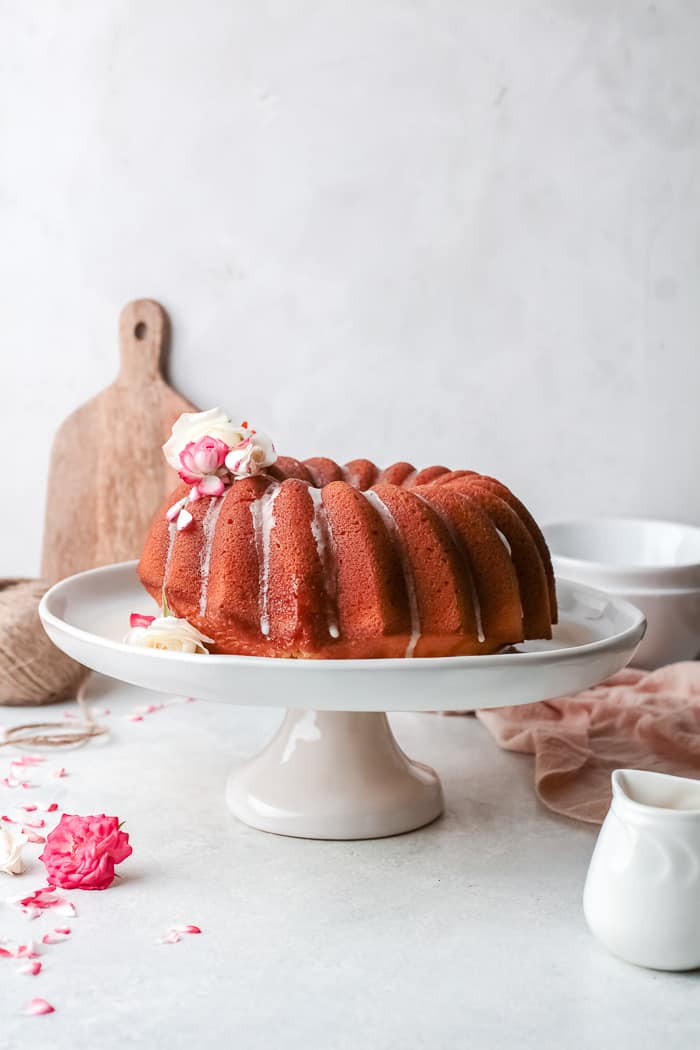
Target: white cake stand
{"x":334,"y":770}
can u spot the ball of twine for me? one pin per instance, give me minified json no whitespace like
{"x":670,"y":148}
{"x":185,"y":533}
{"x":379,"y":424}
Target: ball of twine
{"x":32,"y":670}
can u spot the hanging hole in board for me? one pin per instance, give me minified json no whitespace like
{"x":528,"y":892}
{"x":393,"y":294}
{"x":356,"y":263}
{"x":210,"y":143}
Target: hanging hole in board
{"x":140,"y":330}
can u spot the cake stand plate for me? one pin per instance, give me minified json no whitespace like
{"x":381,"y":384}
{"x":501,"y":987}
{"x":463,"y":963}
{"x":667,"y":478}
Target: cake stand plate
{"x":334,"y":770}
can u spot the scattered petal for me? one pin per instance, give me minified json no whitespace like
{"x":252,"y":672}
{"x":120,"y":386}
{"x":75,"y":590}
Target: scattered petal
{"x":184,"y":520}
{"x":172,"y":512}
{"x":140,"y":620}
{"x":66,"y":910}
{"x":32,"y":836}
{"x":175,"y":933}
{"x":40,"y":900}
{"x":38,"y":1006}
{"x":28,"y":951}
{"x":171,"y":937}
{"x":31,"y":968}
{"x":58,"y":935}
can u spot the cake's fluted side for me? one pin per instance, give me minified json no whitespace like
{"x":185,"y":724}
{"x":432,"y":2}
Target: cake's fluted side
{"x":321,"y":561}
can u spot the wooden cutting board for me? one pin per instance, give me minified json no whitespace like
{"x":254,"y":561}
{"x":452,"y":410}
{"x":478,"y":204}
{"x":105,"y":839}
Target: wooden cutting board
{"x":107,"y":473}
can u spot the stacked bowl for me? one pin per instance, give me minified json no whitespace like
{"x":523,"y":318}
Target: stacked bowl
{"x":653,"y":564}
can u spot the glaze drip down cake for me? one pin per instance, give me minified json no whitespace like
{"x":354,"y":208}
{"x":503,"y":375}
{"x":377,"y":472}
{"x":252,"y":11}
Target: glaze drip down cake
{"x":270,"y":556}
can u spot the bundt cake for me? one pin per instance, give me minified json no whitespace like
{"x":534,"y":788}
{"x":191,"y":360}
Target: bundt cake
{"x":310,"y":559}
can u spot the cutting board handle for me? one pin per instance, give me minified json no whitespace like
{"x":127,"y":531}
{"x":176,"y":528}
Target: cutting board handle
{"x":143,"y":334}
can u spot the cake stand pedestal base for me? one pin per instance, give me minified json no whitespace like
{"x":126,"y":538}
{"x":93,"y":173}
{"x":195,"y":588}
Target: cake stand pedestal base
{"x":334,"y":775}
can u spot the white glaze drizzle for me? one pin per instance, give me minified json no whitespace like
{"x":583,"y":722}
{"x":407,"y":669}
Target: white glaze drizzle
{"x":262,"y":511}
{"x":454,"y":535}
{"x":393,"y":529}
{"x":320,"y":530}
{"x":208,"y":529}
{"x":504,"y":541}
{"x":172,"y":532}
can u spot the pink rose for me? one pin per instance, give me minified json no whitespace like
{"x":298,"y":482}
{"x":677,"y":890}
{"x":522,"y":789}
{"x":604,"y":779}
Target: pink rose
{"x":80,"y":852}
{"x":201,"y":459}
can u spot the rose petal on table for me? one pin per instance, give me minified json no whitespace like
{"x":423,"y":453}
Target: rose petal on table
{"x":30,"y":968}
{"x":65,"y":910}
{"x":34,"y":822}
{"x":171,"y":937}
{"x":28,"y":951}
{"x":58,"y":935}
{"x":31,"y":836}
{"x":38,"y":1006}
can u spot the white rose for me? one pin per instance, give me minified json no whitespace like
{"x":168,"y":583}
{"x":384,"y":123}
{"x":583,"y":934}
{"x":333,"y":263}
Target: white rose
{"x":193,"y":425}
{"x":11,"y":853}
{"x":169,"y":632}
{"x":255,"y":452}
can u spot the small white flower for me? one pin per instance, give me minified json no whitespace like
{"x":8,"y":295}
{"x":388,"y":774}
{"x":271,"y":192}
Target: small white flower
{"x":169,"y":632}
{"x":252,"y":455}
{"x":11,"y":852}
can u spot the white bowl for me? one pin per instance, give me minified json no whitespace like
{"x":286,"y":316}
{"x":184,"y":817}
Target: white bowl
{"x":627,"y":552}
{"x":655,"y":565}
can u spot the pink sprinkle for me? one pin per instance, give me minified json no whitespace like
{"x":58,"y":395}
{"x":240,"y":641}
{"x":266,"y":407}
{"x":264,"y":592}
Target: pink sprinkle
{"x":140,"y":620}
{"x":30,"y":808}
{"x":28,"y":760}
{"x":8,"y":820}
{"x":51,"y":808}
{"x":136,"y":718}
{"x":30,"y":968}
{"x":61,"y":773}
{"x":186,"y":929}
{"x":35,"y":822}
{"x":38,"y":1006}
{"x":65,"y":930}
{"x":32,"y":836}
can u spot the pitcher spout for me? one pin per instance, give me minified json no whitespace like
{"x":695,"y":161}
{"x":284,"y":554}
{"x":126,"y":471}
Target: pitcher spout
{"x":639,"y":790}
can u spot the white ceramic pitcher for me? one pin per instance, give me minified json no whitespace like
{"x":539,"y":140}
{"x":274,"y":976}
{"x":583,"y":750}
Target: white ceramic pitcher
{"x":642,"y":893}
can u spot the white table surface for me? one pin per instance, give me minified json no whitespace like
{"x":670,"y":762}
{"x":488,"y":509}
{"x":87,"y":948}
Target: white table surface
{"x":466,"y":933}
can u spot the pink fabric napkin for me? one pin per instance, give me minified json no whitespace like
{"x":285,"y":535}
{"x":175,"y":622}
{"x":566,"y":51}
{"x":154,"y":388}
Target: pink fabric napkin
{"x":639,"y":719}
